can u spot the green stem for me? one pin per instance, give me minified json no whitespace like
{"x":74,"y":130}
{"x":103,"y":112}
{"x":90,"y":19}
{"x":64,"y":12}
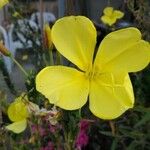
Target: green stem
{"x":80,"y":116}
{"x":59,"y":60}
{"x":51,"y":57}
{"x":44,"y":59}
{"x":19,"y":66}
{"x":67,"y":141}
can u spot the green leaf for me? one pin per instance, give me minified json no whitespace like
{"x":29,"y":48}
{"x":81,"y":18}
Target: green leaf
{"x":144,"y":120}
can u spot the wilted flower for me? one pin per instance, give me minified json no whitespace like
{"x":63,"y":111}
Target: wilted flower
{"x":50,"y":115}
{"x":110,"y":16}
{"x":32,"y":139}
{"x":4,"y":50}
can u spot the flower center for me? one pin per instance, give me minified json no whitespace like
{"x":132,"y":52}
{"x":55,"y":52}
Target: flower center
{"x":90,"y":73}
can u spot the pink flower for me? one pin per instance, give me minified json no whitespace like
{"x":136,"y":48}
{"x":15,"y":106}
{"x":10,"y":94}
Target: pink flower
{"x":82,"y":137}
{"x":34,"y":128}
{"x":42,"y":131}
{"x":84,"y":124}
{"x":52,"y":129}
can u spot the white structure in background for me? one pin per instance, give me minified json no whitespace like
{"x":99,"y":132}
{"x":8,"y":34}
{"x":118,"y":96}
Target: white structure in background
{"x":22,"y":43}
{"x":7,"y":60}
{"x":47,"y":17}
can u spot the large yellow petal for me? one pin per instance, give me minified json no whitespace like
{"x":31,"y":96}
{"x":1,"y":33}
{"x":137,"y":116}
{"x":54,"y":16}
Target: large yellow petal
{"x":63,"y":86}
{"x":123,"y":50}
{"x":75,"y":38}
{"x":3,"y":2}
{"x":111,"y":95}
{"x":17,"y":110}
{"x":17,"y":127}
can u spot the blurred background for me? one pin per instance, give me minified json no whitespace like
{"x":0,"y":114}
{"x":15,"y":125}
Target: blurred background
{"x":91,"y":8}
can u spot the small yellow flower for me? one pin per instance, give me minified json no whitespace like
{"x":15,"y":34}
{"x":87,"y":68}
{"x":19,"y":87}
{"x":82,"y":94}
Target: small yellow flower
{"x":47,"y":36}
{"x":110,"y":16}
{"x":104,"y":79}
{"x":3,"y":3}
{"x":18,"y":112}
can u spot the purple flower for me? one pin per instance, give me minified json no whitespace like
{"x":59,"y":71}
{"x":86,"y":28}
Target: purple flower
{"x":42,"y":131}
{"x":52,"y":129}
{"x":34,"y":128}
{"x":84,"y":124}
{"x":82,"y":139}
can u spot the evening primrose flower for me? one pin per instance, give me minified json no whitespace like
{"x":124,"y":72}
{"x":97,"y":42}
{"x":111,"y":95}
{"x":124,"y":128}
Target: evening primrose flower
{"x":3,"y":3}
{"x":110,"y":16}
{"x":18,"y":112}
{"x":105,"y":79}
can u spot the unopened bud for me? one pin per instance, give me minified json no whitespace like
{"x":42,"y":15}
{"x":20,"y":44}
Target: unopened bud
{"x":4,"y":50}
{"x":47,"y":37}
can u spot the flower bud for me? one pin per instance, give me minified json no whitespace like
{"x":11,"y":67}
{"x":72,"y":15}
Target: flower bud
{"x":4,"y":50}
{"x":47,"y":37}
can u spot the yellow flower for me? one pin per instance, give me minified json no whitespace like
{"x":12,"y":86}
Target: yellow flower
{"x":104,"y":79}
{"x":18,"y":112}
{"x":110,"y":16}
{"x":3,"y":2}
{"x":47,"y":36}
